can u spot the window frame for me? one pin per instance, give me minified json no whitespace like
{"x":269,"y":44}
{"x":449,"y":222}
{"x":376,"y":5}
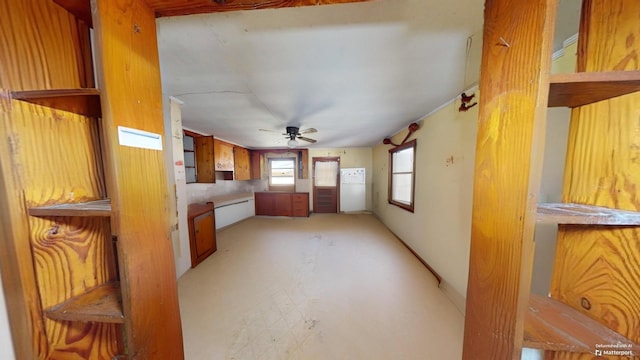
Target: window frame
{"x":408,"y":145}
{"x":276,"y":187}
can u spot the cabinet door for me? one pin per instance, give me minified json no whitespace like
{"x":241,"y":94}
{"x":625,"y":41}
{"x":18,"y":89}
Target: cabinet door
{"x":223,"y":153}
{"x":255,"y":156}
{"x":241,"y":163}
{"x":282,"y":204}
{"x":204,"y":159}
{"x":205,"y":242}
{"x":264,"y":203}
{"x":300,"y":205}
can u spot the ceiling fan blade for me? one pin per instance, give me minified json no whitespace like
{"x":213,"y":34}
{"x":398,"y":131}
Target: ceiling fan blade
{"x":306,"y":139}
{"x":308,"y":131}
{"x":267,"y":130}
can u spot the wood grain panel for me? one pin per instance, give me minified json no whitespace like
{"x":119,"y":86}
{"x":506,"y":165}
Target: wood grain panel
{"x":596,"y":268}
{"x":131,"y":96}
{"x":70,"y":255}
{"x":18,"y":279}
{"x":241,"y":163}
{"x":185,"y":7}
{"x":552,"y":325}
{"x":223,"y":155}
{"x":205,"y":162}
{"x":38,"y":47}
{"x":41,"y":47}
{"x":512,"y":119}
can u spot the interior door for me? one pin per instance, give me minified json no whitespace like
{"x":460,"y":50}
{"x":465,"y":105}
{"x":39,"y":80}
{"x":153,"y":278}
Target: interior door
{"x":326,"y":184}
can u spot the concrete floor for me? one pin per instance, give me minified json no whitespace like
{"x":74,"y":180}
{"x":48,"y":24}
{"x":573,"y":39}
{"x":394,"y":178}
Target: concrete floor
{"x":332,"y":286}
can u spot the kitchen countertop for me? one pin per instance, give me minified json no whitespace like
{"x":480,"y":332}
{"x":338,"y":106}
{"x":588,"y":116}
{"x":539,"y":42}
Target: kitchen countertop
{"x":228,"y":199}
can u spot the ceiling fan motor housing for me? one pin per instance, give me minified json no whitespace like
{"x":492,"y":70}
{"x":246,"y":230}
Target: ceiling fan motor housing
{"x":292,"y":130}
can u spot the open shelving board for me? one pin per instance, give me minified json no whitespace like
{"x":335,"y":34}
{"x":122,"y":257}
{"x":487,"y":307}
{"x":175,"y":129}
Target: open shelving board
{"x":100,"y":304}
{"x":90,"y":208}
{"x":570,"y":213}
{"x":552,"y":325}
{"x":79,"y":101}
{"x":577,"y":89}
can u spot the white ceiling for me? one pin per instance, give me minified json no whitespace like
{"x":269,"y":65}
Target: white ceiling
{"x":356,"y":72}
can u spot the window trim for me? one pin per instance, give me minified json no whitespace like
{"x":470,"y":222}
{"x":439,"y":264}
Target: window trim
{"x":295,"y":172}
{"x":409,"y":207}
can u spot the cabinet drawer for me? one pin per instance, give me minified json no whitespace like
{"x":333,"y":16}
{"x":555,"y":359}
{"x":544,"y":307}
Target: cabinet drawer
{"x":300,"y":205}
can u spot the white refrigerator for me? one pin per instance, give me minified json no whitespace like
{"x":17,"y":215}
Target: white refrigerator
{"x":353,"y":190}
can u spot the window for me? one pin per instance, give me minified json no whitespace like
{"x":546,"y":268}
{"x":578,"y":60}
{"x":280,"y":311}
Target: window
{"x":282,"y":174}
{"x":402,"y":175}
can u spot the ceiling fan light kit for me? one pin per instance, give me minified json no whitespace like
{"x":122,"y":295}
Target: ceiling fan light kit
{"x":293,"y":134}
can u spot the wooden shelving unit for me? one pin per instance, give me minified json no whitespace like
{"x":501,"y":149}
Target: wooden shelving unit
{"x":583,"y":88}
{"x":592,"y":298}
{"x":100,"y":304}
{"x":552,"y":325}
{"x":565,"y":213}
{"x":90,"y":208}
{"x":80,"y":101}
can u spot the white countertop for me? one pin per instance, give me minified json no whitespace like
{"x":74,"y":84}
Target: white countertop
{"x":229,"y":199}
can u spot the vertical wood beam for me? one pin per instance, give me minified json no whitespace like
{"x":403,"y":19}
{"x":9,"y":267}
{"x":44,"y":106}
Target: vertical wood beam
{"x":129,"y":82}
{"x":514,"y":87}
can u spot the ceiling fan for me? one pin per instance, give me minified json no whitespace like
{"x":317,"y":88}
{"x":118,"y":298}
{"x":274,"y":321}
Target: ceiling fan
{"x":293,"y":133}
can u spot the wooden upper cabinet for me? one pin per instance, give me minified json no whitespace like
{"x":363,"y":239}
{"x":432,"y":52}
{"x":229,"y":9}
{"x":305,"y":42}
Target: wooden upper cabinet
{"x":205,"y":167}
{"x":223,"y":154}
{"x":241,"y":163}
{"x":256,"y":173}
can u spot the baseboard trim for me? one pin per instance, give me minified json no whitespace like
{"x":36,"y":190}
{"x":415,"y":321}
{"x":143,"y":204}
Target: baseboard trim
{"x":456,"y":298}
{"x":435,"y":274}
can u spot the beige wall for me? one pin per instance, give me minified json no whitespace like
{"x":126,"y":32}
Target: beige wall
{"x":439,"y":230}
{"x":552,"y":174}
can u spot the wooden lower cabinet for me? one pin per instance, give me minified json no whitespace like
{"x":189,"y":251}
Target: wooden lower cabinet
{"x":202,"y":232}
{"x":282,"y":204}
{"x":300,"y":204}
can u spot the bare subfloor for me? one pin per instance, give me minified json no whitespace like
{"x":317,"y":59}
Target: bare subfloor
{"x":326,"y":287}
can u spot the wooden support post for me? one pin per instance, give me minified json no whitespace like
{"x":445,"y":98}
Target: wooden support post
{"x":514,"y":89}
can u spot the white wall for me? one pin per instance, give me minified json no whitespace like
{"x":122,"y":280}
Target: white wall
{"x":177,"y":182}
{"x":6,"y":346}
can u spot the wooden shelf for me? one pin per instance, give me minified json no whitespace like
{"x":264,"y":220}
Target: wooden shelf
{"x":80,"y":9}
{"x":577,"y":89}
{"x":570,"y":213}
{"x":91,"y":208}
{"x":100,"y":304}
{"x":80,"y":101}
{"x":552,"y":325}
